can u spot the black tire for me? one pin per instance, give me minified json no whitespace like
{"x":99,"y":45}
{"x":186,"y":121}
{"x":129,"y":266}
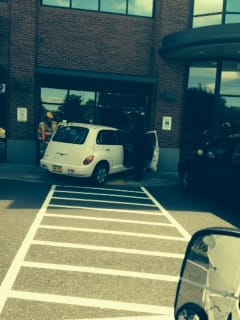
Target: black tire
{"x":100,"y":174}
{"x":191,"y":311}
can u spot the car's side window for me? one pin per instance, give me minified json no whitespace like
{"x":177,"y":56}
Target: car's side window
{"x":107,"y":137}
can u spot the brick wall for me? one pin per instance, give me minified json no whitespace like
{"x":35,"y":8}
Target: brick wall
{"x":21,"y":68}
{"x":172,"y":75}
{"x":91,"y":41}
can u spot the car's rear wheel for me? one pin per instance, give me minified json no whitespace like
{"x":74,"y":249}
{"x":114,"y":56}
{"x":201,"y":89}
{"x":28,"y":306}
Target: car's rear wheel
{"x":100,"y":174}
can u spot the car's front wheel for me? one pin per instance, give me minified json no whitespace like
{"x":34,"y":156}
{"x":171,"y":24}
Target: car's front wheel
{"x":100,"y":174}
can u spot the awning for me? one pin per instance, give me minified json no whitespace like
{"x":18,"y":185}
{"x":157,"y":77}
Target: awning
{"x":211,"y":42}
{"x":95,"y":75}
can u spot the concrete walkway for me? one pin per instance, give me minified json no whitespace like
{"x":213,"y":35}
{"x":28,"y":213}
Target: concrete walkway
{"x":35,"y":173}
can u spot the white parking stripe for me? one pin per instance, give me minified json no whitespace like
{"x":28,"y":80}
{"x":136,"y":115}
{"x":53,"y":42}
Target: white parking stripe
{"x":12,"y":273}
{"x":112,"y":195}
{"x":108,"y":201}
{"x":95,"y":303}
{"x":109,"y":272}
{"x":153,"y":213}
{"x":114,"y":232}
{"x":169,"y":315}
{"x":177,"y":225}
{"x":69,"y":216}
{"x":108,"y":249}
{"x":99,"y":189}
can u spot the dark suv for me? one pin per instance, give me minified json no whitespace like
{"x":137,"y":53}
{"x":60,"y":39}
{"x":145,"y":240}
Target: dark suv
{"x":215,"y":168}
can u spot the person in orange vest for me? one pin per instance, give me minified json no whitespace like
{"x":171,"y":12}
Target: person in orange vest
{"x":46,"y":127}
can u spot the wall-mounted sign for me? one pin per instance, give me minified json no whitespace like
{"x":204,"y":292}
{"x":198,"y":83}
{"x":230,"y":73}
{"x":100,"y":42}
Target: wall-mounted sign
{"x":22,"y":114}
{"x":167,"y":123}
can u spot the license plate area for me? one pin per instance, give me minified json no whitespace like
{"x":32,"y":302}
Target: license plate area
{"x":57,"y":169}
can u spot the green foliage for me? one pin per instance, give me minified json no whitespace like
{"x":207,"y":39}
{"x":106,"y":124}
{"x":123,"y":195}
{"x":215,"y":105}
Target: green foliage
{"x":72,"y":109}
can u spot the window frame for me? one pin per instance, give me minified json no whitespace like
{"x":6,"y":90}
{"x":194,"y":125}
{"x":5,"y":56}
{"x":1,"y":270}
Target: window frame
{"x":102,"y":11}
{"x":225,"y":15}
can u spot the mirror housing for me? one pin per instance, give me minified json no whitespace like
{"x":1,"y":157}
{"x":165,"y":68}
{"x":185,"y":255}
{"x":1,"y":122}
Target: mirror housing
{"x":209,"y":285}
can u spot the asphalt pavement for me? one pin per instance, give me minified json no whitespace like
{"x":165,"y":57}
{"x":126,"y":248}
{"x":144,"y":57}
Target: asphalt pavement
{"x":34,"y":173}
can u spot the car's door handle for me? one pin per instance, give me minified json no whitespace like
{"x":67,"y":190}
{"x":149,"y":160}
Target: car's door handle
{"x":107,"y":149}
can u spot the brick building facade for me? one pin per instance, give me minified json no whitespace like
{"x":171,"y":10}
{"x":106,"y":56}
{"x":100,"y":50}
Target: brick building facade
{"x":54,"y":47}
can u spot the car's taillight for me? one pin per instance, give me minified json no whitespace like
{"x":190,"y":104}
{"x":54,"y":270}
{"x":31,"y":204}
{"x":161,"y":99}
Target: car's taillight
{"x":88,"y":160}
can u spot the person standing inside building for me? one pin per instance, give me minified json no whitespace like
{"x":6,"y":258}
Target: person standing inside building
{"x":46,"y":127}
{"x":45,"y":131}
{"x":139,"y":146}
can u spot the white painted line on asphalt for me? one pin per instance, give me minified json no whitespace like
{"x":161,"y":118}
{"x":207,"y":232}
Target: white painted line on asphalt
{"x":88,"y":218}
{"x":167,"y":316}
{"x":177,"y":225}
{"x":114,"y":232}
{"x":145,"y":212}
{"x":104,"y":201}
{"x":100,"y":189}
{"x":108,"y":249}
{"x":102,"y":271}
{"x":103,"y":194}
{"x":94,"y":303}
{"x":13,"y":271}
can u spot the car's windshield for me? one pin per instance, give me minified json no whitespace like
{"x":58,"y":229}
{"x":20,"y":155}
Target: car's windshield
{"x":71,"y":134}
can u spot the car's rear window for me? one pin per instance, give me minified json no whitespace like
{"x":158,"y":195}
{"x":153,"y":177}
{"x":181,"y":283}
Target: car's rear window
{"x":71,"y":134}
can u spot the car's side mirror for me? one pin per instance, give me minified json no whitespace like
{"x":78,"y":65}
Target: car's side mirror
{"x":209,"y":285}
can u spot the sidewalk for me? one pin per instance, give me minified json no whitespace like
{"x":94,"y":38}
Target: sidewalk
{"x":35,"y":173}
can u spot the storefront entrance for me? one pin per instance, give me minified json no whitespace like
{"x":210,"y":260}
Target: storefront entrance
{"x":110,"y":105}
{"x":212,"y":103}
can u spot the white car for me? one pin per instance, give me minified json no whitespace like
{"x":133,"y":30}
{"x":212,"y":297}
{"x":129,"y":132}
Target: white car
{"x":88,"y":150}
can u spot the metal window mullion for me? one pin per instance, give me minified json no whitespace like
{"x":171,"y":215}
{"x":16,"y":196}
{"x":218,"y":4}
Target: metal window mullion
{"x":224,"y":9}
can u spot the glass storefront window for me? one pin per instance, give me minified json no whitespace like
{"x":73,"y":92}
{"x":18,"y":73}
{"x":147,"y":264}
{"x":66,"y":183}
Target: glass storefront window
{"x":87,"y":97}
{"x":232,"y":18}
{"x":203,"y":75}
{"x":207,"y":6}
{"x":52,"y":95}
{"x":230,"y":79}
{"x":215,"y":12}
{"x":141,"y":8}
{"x":199,"y":105}
{"x":230,"y":98}
{"x":117,"y":6}
{"x":56,"y":3}
{"x":210,"y":20}
{"x":233,"y":5}
{"x":85,"y":4}
{"x":111,"y":108}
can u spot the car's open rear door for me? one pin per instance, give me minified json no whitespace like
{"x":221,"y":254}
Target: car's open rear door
{"x":153,"y":150}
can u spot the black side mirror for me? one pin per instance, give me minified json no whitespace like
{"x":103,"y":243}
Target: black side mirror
{"x":209,"y":285}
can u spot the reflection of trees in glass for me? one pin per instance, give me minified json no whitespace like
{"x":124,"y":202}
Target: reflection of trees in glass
{"x":198,"y":114}
{"x":116,"y":106}
{"x":72,"y":109}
